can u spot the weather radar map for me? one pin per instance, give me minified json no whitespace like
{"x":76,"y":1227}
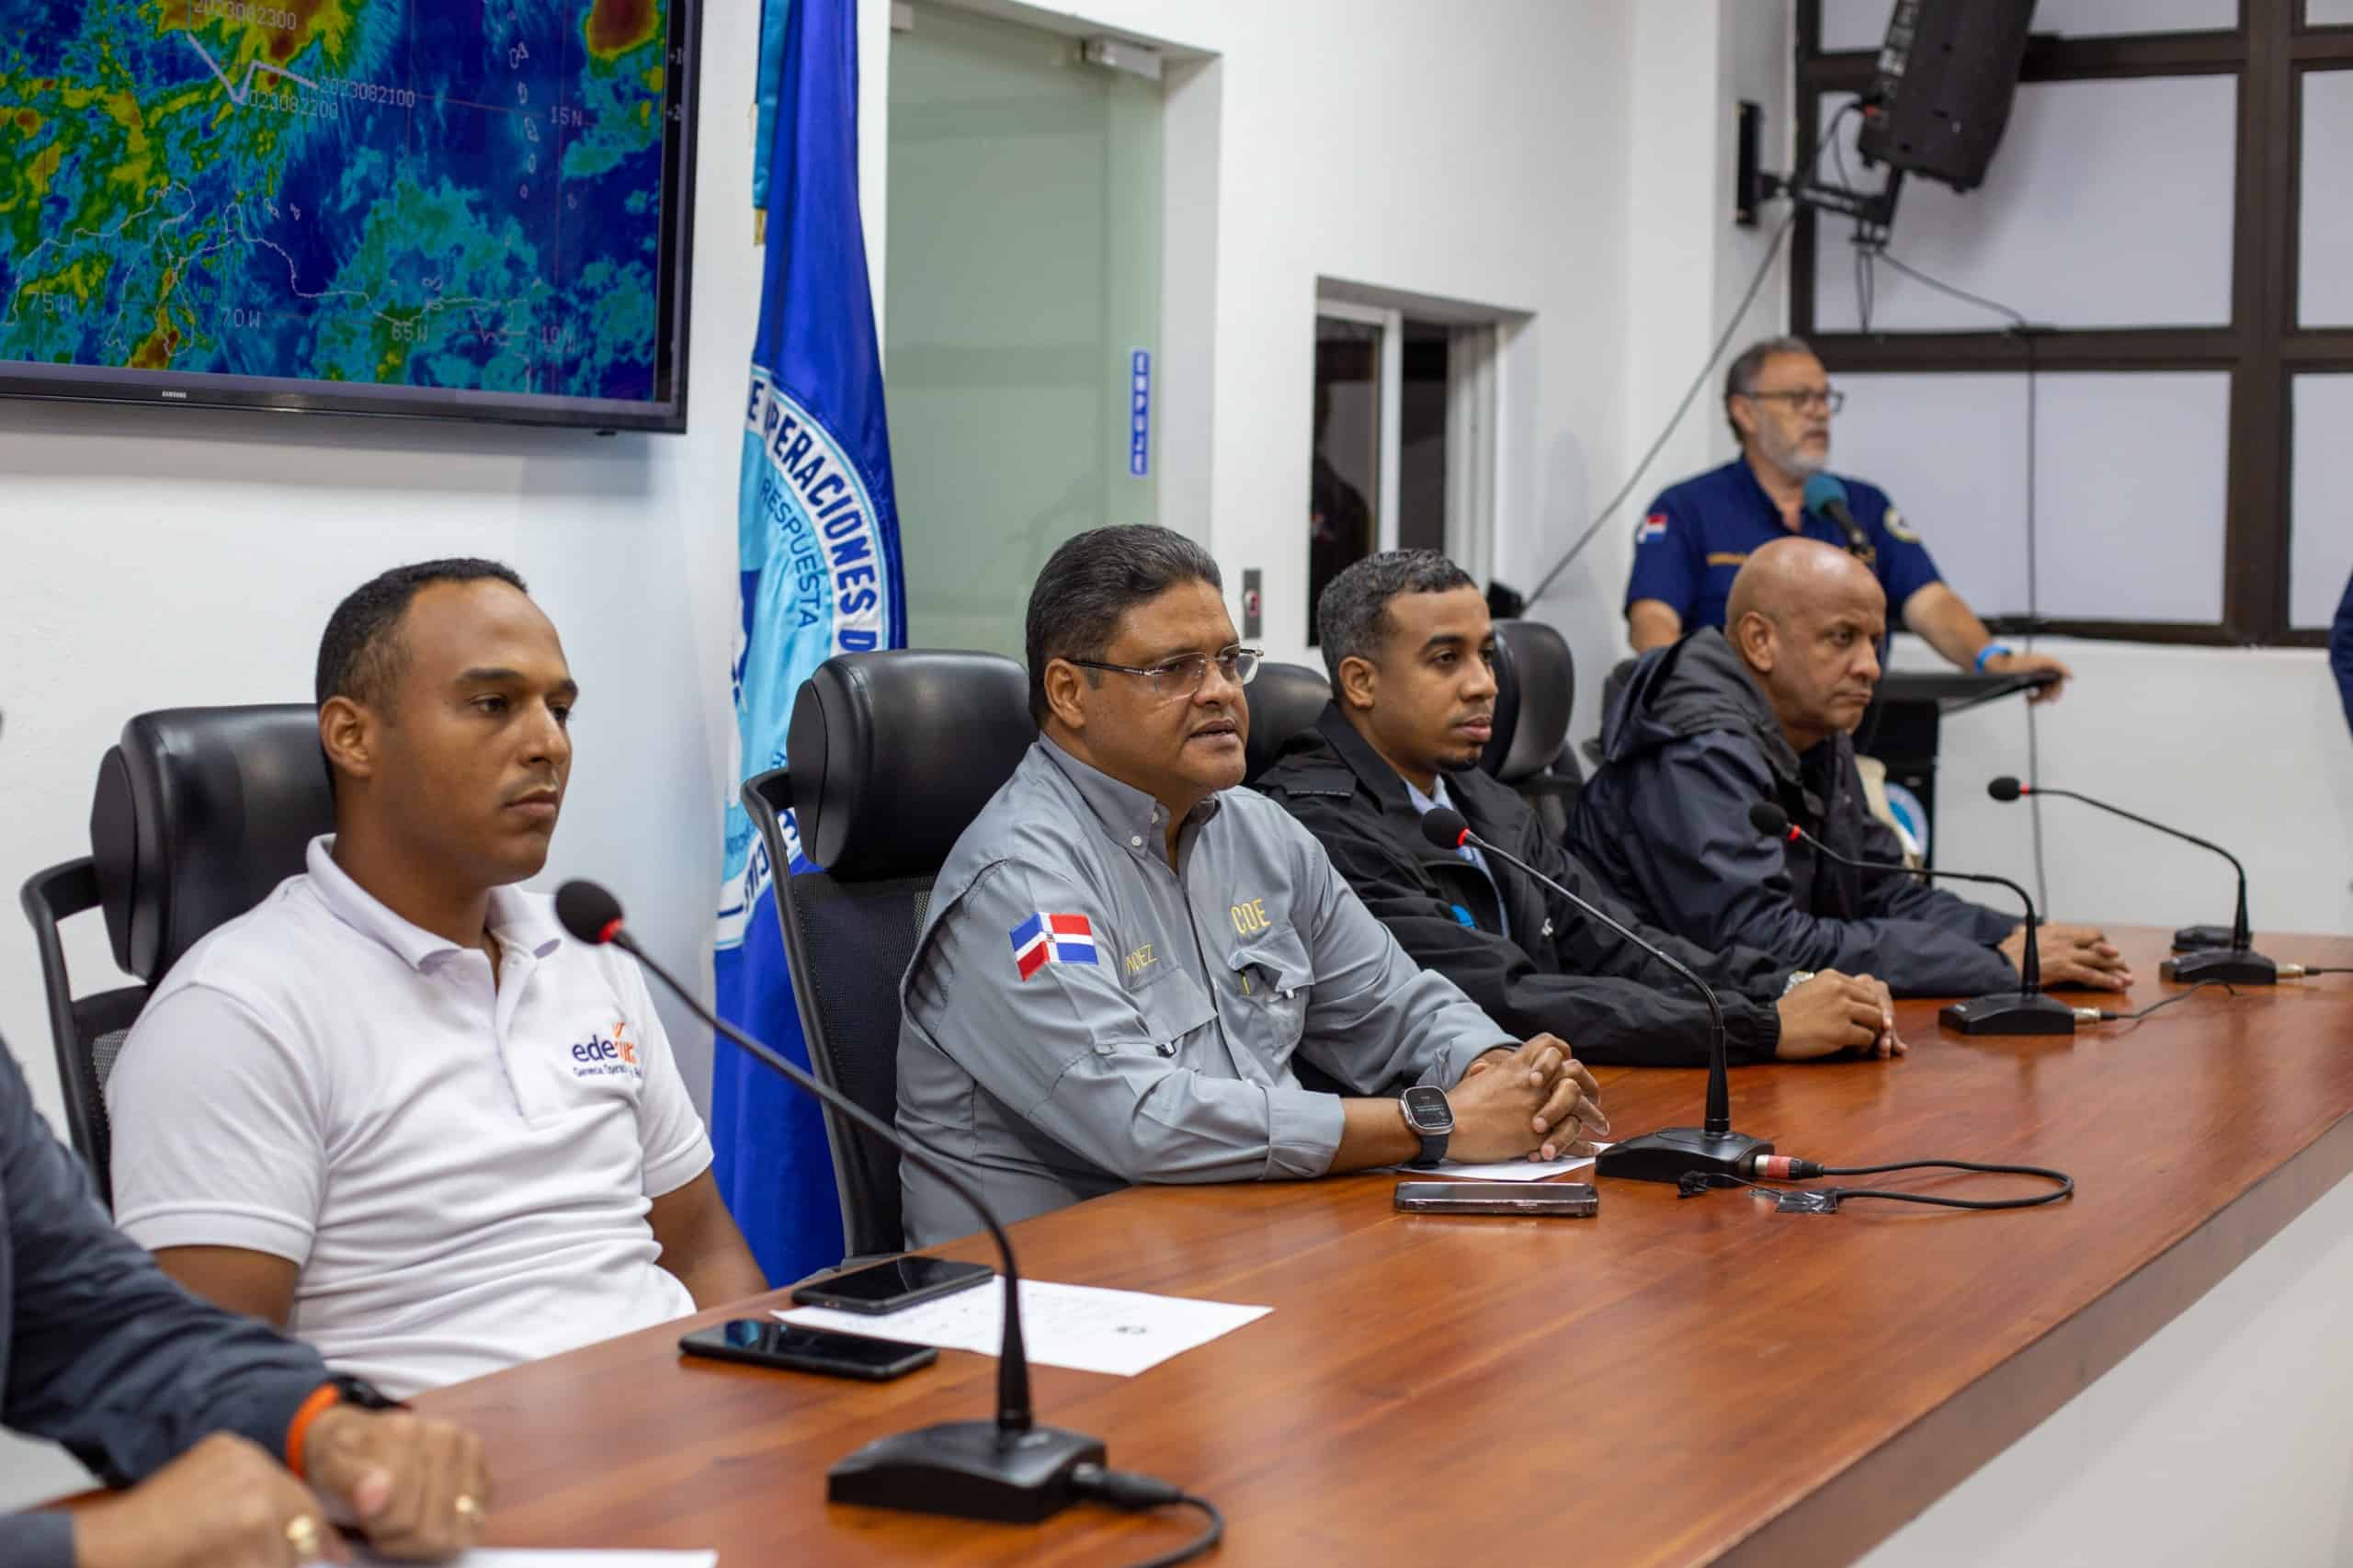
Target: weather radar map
{"x":464,"y":206}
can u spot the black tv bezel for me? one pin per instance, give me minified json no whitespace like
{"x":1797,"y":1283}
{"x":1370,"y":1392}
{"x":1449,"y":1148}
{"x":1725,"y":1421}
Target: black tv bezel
{"x":680,"y":163}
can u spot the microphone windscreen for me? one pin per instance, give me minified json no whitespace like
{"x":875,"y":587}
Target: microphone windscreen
{"x":2005,"y":789}
{"x":1769,"y":819}
{"x":1822,"y":490}
{"x":1444,"y":828}
{"x":587,"y":912}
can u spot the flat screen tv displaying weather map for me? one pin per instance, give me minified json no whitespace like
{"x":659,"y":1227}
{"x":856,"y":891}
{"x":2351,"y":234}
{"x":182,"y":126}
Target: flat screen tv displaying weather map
{"x":461,"y":209}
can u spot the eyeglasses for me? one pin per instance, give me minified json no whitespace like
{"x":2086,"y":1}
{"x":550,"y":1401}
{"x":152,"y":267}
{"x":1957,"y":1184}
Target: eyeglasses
{"x":1831,"y":398}
{"x":1183,"y":677}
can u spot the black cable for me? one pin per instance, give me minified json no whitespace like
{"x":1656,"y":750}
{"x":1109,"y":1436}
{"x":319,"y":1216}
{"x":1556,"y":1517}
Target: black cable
{"x":2108,"y":1018}
{"x":1199,"y":1544}
{"x":1133,"y":1491}
{"x":1732,"y":328}
{"x":2025,"y":332}
{"x":1827,"y":1198}
{"x":2308,"y":971}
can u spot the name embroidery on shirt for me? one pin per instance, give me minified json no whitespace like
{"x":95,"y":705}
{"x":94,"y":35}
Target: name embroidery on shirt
{"x":1140,"y":960}
{"x":600,"y":1056}
{"x":1250,"y":917}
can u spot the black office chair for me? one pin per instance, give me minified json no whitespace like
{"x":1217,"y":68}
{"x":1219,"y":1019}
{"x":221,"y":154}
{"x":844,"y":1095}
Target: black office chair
{"x":198,"y":812}
{"x":1535,"y":695}
{"x":1284,"y":700}
{"x":893,"y":756}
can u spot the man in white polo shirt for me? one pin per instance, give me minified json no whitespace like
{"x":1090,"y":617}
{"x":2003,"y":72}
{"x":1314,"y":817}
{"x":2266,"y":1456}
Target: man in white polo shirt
{"x":392,"y":1109}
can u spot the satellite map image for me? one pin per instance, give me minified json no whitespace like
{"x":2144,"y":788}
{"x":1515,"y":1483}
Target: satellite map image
{"x":459,"y":194}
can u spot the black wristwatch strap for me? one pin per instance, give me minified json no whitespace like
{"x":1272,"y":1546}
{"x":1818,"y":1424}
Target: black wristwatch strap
{"x":361,"y":1393}
{"x":1433,"y":1149}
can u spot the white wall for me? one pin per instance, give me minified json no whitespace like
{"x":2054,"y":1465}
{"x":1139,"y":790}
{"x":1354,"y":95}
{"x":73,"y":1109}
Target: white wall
{"x":2246,"y":747}
{"x":1467,"y":153}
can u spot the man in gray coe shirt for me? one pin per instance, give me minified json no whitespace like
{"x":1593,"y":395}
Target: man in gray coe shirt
{"x":1125,"y":952}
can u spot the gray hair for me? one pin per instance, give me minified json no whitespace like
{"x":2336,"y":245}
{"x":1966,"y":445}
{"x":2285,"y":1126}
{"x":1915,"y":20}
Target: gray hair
{"x":1740,"y":378}
{"x":1352,"y":614}
{"x":1095,"y":579}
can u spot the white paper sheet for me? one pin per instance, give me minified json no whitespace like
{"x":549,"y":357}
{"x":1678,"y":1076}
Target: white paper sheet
{"x":1508,"y":1170}
{"x":502,"y":1557}
{"x":1080,"y":1326}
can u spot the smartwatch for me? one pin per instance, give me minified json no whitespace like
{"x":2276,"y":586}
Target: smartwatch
{"x":1429,"y":1119}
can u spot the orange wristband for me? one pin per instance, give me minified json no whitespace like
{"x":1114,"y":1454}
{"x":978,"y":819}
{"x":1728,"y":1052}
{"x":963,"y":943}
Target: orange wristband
{"x":326,"y":1396}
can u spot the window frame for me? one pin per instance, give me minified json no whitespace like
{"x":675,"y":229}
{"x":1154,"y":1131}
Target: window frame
{"x":2264,"y":346}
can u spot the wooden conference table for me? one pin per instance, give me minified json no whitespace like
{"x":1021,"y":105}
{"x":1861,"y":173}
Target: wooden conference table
{"x":1676,"y":1381}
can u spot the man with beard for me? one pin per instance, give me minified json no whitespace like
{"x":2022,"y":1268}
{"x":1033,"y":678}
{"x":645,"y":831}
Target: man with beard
{"x":1698,"y":534}
{"x":1411,"y":653}
{"x":1717,"y":723}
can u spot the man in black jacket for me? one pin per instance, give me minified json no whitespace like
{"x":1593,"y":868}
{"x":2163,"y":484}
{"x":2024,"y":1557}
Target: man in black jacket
{"x":214,"y":1422}
{"x":1761,"y":711}
{"x":1409,"y":647}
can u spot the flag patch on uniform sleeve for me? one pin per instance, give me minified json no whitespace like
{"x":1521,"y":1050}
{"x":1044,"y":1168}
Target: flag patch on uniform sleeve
{"x":1654,"y":527}
{"x":1052,"y":938}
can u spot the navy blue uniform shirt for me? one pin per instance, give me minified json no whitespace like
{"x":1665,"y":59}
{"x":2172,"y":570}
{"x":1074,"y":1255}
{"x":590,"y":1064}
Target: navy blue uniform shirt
{"x":2340,"y":650}
{"x":1691,"y":546}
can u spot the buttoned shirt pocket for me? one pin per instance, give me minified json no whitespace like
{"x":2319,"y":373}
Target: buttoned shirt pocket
{"x":1176,"y":1014}
{"x":1271,"y":974}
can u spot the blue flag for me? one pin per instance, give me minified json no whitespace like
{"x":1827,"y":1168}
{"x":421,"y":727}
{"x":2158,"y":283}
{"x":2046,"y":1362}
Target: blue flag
{"x":817,"y":537}
{"x":766,"y":85}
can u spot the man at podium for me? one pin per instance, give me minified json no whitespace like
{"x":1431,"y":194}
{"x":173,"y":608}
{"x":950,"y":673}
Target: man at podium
{"x":1696,"y":535}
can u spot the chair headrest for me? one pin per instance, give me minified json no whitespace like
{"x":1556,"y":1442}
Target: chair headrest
{"x":198,"y":812}
{"x":1535,"y":690}
{"x":1284,"y":700}
{"x":893,"y":754}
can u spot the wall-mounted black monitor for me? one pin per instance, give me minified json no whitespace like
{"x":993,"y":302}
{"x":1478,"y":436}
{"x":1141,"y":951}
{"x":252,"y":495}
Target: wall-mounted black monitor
{"x":443,"y":209}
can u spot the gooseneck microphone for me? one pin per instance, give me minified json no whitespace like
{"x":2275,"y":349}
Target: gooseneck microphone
{"x":1826,"y":497}
{"x":2027,"y":1010}
{"x":1672,"y":1152}
{"x":2235,"y":958}
{"x":1010,"y":1469}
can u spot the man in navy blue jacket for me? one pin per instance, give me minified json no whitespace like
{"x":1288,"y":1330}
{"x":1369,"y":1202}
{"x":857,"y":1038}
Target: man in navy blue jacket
{"x":2340,"y":650}
{"x":1714,"y":724}
{"x":233,"y":1443}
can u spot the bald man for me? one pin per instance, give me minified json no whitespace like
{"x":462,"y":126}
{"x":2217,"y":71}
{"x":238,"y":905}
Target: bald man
{"x":1715,"y":723}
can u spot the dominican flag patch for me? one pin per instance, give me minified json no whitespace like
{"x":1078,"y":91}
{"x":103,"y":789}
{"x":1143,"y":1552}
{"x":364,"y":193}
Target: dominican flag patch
{"x":1052,"y":938}
{"x":1653,"y":527}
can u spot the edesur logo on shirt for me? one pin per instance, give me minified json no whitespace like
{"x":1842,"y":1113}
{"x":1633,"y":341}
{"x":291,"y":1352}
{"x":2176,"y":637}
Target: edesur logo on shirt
{"x":600,"y":1057}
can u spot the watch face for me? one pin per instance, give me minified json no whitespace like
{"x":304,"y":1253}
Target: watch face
{"x":1427,"y":1110}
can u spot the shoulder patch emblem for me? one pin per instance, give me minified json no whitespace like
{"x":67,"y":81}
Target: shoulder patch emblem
{"x":1651,"y":527}
{"x":1897,"y":529}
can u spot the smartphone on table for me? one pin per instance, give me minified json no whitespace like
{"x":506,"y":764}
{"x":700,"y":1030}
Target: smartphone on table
{"x":765,"y":1342}
{"x":1572,"y":1199}
{"x":887,"y":1287}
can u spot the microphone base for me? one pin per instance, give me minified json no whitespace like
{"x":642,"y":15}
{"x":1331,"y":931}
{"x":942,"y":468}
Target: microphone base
{"x":2240,"y":966}
{"x":968,"y":1469}
{"x":2009,"y":1013}
{"x":1673,"y":1153}
{"x":2192,"y":938}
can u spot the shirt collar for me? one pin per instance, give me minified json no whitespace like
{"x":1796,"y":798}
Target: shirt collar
{"x":1755,"y":489}
{"x":1126,"y":812}
{"x":1434,"y":801}
{"x":516,"y":920}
